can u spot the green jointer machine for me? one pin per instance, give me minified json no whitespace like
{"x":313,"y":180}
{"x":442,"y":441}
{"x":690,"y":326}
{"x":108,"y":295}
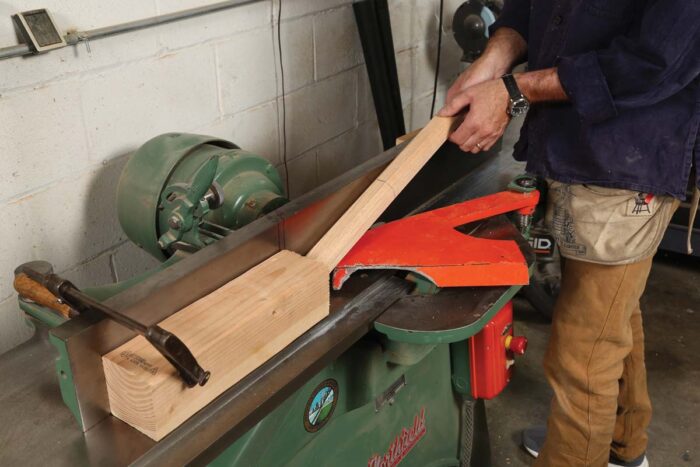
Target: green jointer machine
{"x":396,"y":374}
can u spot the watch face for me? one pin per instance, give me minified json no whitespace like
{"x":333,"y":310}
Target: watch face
{"x":519,"y":107}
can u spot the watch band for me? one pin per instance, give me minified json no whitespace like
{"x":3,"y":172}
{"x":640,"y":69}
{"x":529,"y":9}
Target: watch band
{"x":512,"y":87}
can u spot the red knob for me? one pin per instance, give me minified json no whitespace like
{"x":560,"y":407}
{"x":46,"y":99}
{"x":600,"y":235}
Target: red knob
{"x":518,"y":345}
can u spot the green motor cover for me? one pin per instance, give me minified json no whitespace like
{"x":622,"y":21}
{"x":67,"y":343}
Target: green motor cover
{"x":251,"y":185}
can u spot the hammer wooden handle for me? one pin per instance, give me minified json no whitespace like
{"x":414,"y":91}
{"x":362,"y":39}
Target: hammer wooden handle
{"x":29,"y":288}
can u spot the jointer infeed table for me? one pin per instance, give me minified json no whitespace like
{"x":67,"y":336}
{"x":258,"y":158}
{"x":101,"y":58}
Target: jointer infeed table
{"x":37,"y":428}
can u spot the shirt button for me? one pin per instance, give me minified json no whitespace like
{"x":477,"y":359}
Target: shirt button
{"x":558,"y":20}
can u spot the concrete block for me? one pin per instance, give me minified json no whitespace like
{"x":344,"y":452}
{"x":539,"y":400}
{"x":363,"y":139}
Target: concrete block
{"x":420,"y":110}
{"x":405,"y":63}
{"x":348,"y":150}
{"x":217,"y":25}
{"x":14,"y":328}
{"x":414,"y":21}
{"x":451,"y":62}
{"x":42,"y":138}
{"x":401,"y":16}
{"x":87,"y":14}
{"x":370,"y":140}
{"x":440,"y":99}
{"x":321,"y":111}
{"x":303,"y":174}
{"x":297,"y":53}
{"x":20,"y":73}
{"x":337,"y":42}
{"x":80,"y":15}
{"x":425,"y":19}
{"x":423,"y":70}
{"x":246,"y":70}
{"x":93,"y":272}
{"x":130,"y":261}
{"x":67,"y":224}
{"x":407,"y":112}
{"x":297,"y":8}
{"x":255,"y":130}
{"x":125,"y":107}
{"x":15,"y":246}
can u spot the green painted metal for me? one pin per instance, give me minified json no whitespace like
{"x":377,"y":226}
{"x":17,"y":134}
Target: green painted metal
{"x":144,"y":178}
{"x":424,"y":286}
{"x":183,"y":206}
{"x":523,"y":183}
{"x":358,"y":428}
{"x":461,"y":376}
{"x":451,"y":335}
{"x":49,"y":318}
{"x":170,"y":162}
{"x":402,"y":353}
{"x":252,"y":187}
{"x":65,"y":378}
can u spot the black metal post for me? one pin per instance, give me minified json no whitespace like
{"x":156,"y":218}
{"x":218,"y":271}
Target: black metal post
{"x":374,"y":26}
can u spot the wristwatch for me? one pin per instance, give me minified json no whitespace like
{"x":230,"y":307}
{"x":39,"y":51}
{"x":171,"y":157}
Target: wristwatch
{"x":519,"y":104}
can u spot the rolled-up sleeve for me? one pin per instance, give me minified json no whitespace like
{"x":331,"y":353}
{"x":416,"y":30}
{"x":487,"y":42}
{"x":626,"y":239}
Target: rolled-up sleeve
{"x":659,"y":59}
{"x":515,"y":15}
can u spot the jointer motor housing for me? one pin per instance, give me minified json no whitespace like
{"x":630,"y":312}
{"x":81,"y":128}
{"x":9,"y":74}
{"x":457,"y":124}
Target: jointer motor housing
{"x":403,"y":392}
{"x":184,"y":191}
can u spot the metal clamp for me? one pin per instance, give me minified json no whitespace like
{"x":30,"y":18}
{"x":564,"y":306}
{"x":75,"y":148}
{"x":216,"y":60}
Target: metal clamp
{"x":36,"y":281}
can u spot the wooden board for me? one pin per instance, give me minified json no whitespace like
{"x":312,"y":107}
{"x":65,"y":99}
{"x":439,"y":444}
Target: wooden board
{"x":372,"y":203}
{"x":231,"y":332}
{"x":241,"y":325}
{"x":408,"y":136}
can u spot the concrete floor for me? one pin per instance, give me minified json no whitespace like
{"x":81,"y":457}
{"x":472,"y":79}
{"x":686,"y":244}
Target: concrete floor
{"x":671,"y":307}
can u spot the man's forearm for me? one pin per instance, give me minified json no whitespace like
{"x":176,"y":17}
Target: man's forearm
{"x":541,"y":86}
{"x":504,"y":50}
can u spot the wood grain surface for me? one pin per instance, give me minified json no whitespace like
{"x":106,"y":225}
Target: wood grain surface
{"x":231,"y":332}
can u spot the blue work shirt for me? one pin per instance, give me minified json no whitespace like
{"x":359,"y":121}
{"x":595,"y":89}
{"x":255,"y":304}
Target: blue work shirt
{"x":630,"y":69}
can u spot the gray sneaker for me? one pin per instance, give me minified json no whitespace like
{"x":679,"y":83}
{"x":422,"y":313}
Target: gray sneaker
{"x":533,"y":439}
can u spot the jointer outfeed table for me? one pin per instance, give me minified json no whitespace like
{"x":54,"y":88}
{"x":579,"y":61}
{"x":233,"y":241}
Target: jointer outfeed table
{"x":37,"y":428}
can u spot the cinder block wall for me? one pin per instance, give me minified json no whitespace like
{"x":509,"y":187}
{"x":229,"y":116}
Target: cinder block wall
{"x":70,"y":118}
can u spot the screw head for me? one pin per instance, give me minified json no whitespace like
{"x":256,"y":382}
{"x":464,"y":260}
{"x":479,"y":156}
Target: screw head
{"x":174,"y":223}
{"x":526,"y":182}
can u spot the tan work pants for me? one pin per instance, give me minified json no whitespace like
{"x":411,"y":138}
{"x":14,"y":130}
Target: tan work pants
{"x":595,"y":358}
{"x":595,"y":364}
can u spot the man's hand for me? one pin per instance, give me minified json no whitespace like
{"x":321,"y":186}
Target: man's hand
{"x":478,"y":72}
{"x":481,"y":90}
{"x":486,"y":119}
{"x":505,"y":48}
{"x":487,"y":103}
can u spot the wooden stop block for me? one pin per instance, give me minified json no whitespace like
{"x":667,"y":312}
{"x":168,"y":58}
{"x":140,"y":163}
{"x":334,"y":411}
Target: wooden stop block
{"x":231,"y":331}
